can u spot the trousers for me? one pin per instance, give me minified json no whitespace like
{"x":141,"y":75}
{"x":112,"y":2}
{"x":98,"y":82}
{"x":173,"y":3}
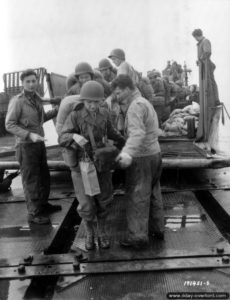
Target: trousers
{"x":144,"y":210}
{"x":35,"y":175}
{"x":89,"y":207}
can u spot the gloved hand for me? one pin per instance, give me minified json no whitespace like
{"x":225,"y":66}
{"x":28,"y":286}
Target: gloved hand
{"x":124,"y":159}
{"x":79,"y":139}
{"x":36,"y":137}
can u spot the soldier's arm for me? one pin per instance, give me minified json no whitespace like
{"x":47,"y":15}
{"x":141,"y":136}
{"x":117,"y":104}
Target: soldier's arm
{"x":12,"y":119}
{"x":50,"y":114}
{"x":70,"y":127}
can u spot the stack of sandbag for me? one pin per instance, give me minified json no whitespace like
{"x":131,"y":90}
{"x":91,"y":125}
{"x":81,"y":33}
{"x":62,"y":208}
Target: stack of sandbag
{"x":176,"y":125}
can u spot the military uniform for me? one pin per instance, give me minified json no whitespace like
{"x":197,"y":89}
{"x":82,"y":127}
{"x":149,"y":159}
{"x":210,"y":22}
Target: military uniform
{"x":126,"y":69}
{"x":208,"y":89}
{"x":26,"y":115}
{"x":78,"y":122}
{"x":144,"y":205}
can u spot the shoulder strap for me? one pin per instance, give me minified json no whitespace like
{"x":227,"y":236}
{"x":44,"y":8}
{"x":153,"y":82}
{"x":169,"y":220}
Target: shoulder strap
{"x":91,"y":137}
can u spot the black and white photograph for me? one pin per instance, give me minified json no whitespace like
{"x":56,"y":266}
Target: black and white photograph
{"x":114,"y":149}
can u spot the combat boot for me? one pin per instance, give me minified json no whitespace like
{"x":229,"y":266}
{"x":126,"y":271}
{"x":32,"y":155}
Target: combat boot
{"x":103,"y":239}
{"x":38,"y":219}
{"x":89,"y":238}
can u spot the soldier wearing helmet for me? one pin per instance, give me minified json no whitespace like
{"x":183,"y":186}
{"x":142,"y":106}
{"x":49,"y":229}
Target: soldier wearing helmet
{"x":99,"y":78}
{"x":157,"y":83}
{"x":95,"y":119}
{"x":83,"y":73}
{"x":107,"y":70}
{"x":124,"y":68}
{"x":118,"y":58}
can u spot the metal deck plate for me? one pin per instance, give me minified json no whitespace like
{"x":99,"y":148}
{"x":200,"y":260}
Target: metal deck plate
{"x":179,"y":149}
{"x":199,"y":179}
{"x":144,"y":286}
{"x":188,"y":232}
{"x":69,"y":266}
{"x":61,"y":187}
{"x":18,"y":239}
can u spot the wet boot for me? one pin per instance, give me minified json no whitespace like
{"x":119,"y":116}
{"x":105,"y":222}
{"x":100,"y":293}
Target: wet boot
{"x":103,"y":239}
{"x":89,"y":239}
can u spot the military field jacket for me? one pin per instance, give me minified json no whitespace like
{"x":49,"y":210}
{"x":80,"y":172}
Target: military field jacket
{"x":24,"y":117}
{"x":78,"y":122}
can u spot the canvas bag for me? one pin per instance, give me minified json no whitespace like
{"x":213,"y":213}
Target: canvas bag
{"x":89,"y":176}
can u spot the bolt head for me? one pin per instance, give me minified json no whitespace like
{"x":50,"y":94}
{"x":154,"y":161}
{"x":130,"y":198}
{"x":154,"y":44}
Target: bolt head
{"x":21,"y":269}
{"x":225,"y":260}
{"x":220,"y":250}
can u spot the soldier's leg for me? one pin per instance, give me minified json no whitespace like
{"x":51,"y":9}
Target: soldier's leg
{"x":45,"y":184}
{"x":139,"y":179}
{"x":156,"y":213}
{"x":86,"y":207}
{"x":104,"y":199}
{"x":45,"y":176}
{"x":28,"y":156}
{"x":103,"y":203}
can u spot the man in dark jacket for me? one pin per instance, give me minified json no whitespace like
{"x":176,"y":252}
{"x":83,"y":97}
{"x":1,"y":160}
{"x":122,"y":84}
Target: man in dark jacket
{"x":24,"y":119}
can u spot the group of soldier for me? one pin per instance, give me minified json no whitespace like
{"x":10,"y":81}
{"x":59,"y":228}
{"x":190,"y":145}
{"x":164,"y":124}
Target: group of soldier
{"x":101,"y":107}
{"x":107,"y":115}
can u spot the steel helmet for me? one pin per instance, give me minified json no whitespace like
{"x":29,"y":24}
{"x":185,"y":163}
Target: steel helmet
{"x":82,"y":68}
{"x":104,"y":64}
{"x":92,"y":90}
{"x":154,"y":73}
{"x":119,"y":53}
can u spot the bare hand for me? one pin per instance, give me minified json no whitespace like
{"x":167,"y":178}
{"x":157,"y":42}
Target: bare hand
{"x":124,"y":159}
{"x":36,"y":137}
{"x":79,"y":139}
